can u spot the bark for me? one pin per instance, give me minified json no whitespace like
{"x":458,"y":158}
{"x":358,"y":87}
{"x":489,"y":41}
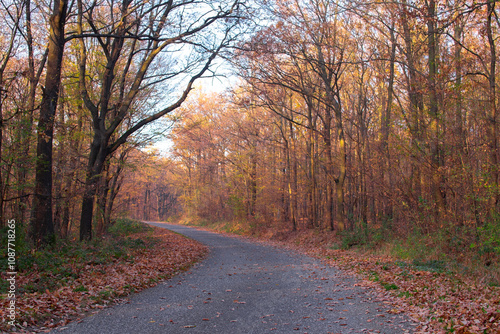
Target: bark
{"x":385,"y":129}
{"x":340,"y":181}
{"x":362,"y":154}
{"x":285,"y":168}
{"x":59,"y":175}
{"x":97,"y":160}
{"x":253,"y":183}
{"x":313,"y":203}
{"x":329,"y":217}
{"x":415,"y":108}
{"x":435,"y":125}
{"x":292,"y":185}
{"x":492,"y":113}
{"x":26,"y":126}
{"x":42,"y":227}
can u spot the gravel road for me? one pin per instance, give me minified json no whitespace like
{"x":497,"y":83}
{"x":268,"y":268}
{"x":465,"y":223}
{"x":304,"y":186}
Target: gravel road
{"x":245,"y":287}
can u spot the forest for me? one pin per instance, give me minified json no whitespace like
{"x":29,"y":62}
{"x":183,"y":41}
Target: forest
{"x":371,"y":119}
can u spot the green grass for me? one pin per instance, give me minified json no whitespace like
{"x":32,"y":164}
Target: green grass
{"x":436,"y":266}
{"x":62,"y":263}
{"x":405,"y":294}
{"x":80,"y":288}
{"x":373,"y":276}
{"x":234,"y":227}
{"x":125,"y":226}
{"x":389,"y":286}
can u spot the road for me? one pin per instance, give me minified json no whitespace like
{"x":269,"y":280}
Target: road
{"x":247,"y":287}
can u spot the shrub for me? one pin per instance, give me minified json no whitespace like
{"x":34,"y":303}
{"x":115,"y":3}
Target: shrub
{"x":489,"y":236}
{"x":125,"y":226}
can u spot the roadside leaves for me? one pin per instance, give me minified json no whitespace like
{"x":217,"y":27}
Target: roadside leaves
{"x":94,"y":286}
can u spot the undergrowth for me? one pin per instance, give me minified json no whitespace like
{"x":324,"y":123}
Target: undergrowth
{"x":63,"y":262}
{"x":468,"y":250}
{"x":226,"y":226}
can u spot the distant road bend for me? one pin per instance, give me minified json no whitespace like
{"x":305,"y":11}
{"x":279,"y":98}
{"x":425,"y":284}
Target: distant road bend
{"x":244,"y":287}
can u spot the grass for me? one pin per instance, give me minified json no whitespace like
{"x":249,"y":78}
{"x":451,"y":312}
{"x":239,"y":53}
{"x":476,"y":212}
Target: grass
{"x":124,"y":227}
{"x":389,"y":286}
{"x":427,"y":271}
{"x":463,"y":250}
{"x":234,"y":227}
{"x":83,"y":276}
{"x":62,"y":263}
{"x":450,"y":249}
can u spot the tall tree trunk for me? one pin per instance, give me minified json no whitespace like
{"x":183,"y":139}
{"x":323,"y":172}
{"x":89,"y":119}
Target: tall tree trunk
{"x":42,"y":227}
{"x":253,"y":182}
{"x":435,"y":124}
{"x":362,"y":142}
{"x":99,"y":149}
{"x":292,"y":185}
{"x":313,"y":205}
{"x":60,"y":175}
{"x":327,"y":137}
{"x":286,"y":200}
{"x":415,"y":108}
{"x":25,"y":131}
{"x":340,"y":181}
{"x":492,"y":113}
{"x":5,"y":58}
{"x":385,"y":129}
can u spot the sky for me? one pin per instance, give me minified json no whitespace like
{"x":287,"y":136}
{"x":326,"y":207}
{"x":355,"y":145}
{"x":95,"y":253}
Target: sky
{"x":209,"y":85}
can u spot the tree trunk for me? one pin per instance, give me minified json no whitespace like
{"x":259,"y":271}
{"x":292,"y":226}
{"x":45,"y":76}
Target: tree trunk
{"x":340,"y":181}
{"x":113,"y":192}
{"x":59,"y":176}
{"x":435,"y":124}
{"x":414,"y":120}
{"x":313,"y":216}
{"x":292,"y":185}
{"x":253,"y":183}
{"x":385,"y":129}
{"x":97,"y":158}
{"x":42,"y":227}
{"x":102,"y":198}
{"x":492,"y":113}
{"x":26,"y":126}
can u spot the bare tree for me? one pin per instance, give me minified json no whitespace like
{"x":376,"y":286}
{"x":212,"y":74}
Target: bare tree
{"x":146,"y":45}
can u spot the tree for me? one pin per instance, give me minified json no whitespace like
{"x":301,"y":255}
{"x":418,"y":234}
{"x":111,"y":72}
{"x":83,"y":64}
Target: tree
{"x":13,"y":13}
{"x":307,"y":52}
{"x":138,"y":41}
{"x":42,"y":226}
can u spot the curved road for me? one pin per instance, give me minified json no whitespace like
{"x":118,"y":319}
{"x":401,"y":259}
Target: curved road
{"x":244,"y":287}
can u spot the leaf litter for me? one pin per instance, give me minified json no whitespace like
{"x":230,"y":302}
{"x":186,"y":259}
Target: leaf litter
{"x":99,"y":285}
{"x":438,"y":301}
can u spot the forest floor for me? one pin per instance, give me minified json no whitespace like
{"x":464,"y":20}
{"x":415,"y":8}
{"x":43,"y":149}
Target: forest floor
{"x":75,"y":280}
{"x":81,"y":281}
{"x":439,"y":299}
{"x":244,"y":286}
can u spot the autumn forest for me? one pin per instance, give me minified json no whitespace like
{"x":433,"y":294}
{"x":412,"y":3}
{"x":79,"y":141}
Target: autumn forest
{"x":369,"y":119}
